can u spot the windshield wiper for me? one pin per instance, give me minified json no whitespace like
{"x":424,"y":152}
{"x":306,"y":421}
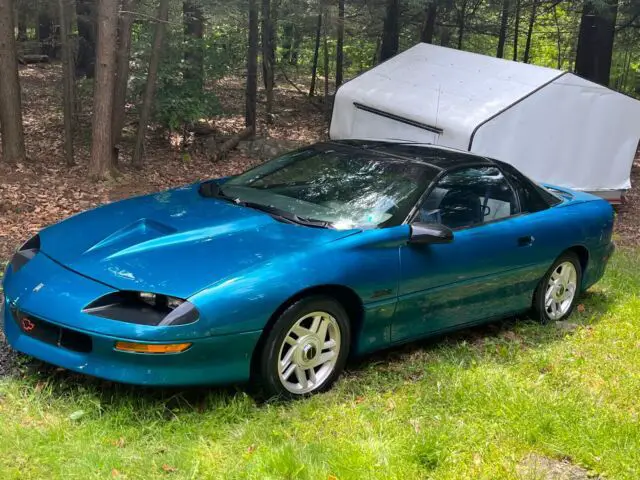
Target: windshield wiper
{"x":284,"y":215}
{"x":212,"y":189}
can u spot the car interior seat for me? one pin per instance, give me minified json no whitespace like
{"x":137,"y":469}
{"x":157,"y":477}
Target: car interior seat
{"x":460,"y":208}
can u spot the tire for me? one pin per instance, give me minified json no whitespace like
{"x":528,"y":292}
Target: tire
{"x":294,"y":360}
{"x":555,"y":303}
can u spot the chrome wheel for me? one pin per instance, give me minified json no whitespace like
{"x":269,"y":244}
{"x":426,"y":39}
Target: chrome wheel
{"x":561,"y":290}
{"x":309,"y":352}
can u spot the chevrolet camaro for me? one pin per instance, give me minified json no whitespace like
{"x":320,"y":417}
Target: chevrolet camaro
{"x":279,"y":274}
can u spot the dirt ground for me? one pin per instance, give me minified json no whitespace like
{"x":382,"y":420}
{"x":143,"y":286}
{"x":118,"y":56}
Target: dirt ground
{"x":44,"y":190}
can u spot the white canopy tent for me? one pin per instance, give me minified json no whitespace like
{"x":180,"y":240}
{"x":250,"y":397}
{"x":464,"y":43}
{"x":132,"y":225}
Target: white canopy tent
{"x":554,"y":126}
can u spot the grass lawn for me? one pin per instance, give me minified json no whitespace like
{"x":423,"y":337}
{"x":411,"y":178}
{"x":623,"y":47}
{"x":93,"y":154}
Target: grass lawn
{"x":473,"y":405}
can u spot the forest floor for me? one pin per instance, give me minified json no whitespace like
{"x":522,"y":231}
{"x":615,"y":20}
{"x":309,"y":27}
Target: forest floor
{"x":509,"y":400}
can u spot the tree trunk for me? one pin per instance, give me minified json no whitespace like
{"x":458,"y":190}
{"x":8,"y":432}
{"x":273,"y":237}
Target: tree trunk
{"x":445,"y":36}
{"x":595,"y":41}
{"x":625,"y":71}
{"x":252,"y":67}
{"x":462,"y":17}
{"x":67,"y":79}
{"x":325,"y":52}
{"x":10,"y":105}
{"x":295,"y":47}
{"x":558,"y":37}
{"x":101,"y":142}
{"x":125,"y":22}
{"x":232,"y":143}
{"x":340,"y":45}
{"x":287,"y":41}
{"x":502,"y":36}
{"x":194,"y":48}
{"x":428,"y":27}
{"x":22,"y":21}
{"x":391,"y":31}
{"x":44,"y":30}
{"x":86,"y":20}
{"x":516,"y":31}
{"x":376,"y":52}
{"x":268,"y":56}
{"x":316,"y":52}
{"x":291,"y":37}
{"x":150,"y":87}
{"x":532,"y":21}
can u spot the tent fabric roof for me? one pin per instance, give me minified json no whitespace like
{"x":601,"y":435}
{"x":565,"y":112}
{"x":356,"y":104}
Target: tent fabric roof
{"x":554,"y":126}
{"x":450,"y":89}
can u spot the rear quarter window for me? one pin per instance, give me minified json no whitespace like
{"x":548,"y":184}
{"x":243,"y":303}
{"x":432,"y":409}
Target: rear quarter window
{"x":533,"y":197}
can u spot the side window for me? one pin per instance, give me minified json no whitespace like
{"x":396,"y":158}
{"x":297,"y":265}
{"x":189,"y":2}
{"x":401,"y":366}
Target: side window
{"x":468,"y":197}
{"x":531,"y":200}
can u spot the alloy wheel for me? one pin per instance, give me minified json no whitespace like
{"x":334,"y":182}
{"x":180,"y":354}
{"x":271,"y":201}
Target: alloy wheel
{"x":309,"y":352}
{"x":561,"y":290}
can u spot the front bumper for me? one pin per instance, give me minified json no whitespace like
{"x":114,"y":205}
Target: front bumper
{"x":55,"y":296}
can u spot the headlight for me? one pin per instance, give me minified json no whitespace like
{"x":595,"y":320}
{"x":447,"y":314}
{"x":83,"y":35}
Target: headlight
{"x":160,"y":301}
{"x":144,"y":308}
{"x":25,"y":253}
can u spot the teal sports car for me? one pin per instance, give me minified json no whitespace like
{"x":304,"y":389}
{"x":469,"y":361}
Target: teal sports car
{"x":278,"y":275}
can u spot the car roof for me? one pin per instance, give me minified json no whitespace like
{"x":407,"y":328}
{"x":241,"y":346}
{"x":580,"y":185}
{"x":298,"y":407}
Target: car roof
{"x":442,"y":158}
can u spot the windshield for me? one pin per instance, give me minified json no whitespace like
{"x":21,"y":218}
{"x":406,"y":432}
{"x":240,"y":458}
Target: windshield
{"x":345,"y":187}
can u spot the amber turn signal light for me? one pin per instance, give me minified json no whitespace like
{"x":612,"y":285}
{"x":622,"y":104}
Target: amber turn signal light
{"x":152,"y":347}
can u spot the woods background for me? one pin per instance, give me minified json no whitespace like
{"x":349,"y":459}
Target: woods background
{"x":126,"y":68}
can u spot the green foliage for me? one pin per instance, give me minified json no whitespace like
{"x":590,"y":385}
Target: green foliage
{"x":179,"y":103}
{"x":178,"y":100}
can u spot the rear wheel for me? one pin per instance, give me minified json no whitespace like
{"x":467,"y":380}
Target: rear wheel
{"x":306,"y":349}
{"x":557,"y":293}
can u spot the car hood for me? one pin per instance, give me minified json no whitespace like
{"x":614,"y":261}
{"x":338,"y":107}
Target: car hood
{"x":174,"y":242}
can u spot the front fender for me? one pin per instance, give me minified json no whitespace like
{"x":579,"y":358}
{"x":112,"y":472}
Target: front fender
{"x":367,"y":263}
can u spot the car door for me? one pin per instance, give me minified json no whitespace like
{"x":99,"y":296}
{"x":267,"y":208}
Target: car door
{"x":487,"y":270}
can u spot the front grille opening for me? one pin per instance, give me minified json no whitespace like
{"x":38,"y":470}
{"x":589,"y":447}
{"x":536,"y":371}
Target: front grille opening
{"x":76,"y":341}
{"x":53,"y":334}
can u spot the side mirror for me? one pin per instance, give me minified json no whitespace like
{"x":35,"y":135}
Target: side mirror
{"x":422,"y":233}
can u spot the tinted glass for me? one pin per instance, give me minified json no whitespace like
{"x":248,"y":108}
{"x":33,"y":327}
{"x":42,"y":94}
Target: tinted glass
{"x":533,"y":198}
{"x":469,"y":197}
{"x":347,"y":187}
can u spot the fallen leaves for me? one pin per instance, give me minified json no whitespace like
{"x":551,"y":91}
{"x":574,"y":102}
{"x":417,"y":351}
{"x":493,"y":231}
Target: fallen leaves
{"x":120,"y":443}
{"x":627,"y":227}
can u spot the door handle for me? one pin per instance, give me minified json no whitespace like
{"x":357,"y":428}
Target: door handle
{"x":526,"y":241}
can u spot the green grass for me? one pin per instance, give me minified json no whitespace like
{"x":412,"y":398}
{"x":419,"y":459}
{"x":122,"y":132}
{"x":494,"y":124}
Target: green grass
{"x":469,"y":406}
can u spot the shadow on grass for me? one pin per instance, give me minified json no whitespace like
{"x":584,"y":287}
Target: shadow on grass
{"x":496,"y":341}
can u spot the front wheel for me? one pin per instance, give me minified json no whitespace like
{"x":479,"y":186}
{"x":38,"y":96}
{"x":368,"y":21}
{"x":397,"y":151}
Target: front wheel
{"x":557,"y":293}
{"x":306,"y":349}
